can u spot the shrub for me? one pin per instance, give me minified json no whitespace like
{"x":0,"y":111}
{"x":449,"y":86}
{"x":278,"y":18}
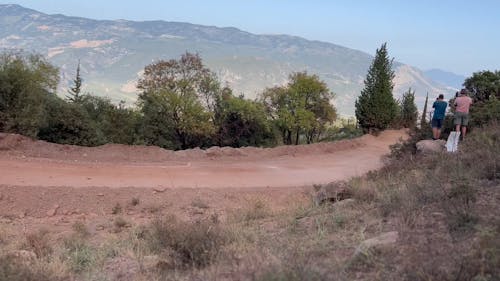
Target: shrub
{"x":120,"y":223}
{"x":117,"y":209}
{"x":39,"y":243}
{"x":79,"y":254}
{"x":192,"y":244}
{"x":14,"y":269}
{"x":80,"y":229}
{"x":258,"y":210}
{"x":135,"y":201}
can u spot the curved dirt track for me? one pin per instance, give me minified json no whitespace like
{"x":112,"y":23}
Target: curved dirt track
{"x":28,"y":163}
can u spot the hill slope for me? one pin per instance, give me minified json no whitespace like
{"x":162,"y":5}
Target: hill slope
{"x":113,"y":53}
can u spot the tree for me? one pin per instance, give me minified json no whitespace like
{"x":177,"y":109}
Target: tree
{"x":113,"y":123}
{"x":483,"y":85}
{"x":243,"y":122}
{"x":68,"y":123}
{"x":376,"y":107}
{"x":301,"y":108}
{"x":409,"y":111}
{"x":171,"y":102}
{"x":423,"y":120}
{"x":26,"y":80}
{"x":74,"y":93}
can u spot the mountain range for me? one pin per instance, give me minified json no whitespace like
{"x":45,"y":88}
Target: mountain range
{"x":113,"y":53}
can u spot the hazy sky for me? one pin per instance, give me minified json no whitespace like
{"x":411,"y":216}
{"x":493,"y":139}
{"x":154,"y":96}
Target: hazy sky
{"x":455,"y":35}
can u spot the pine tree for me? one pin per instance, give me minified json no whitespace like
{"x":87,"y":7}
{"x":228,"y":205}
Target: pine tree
{"x":75,"y":91}
{"x":376,"y":107}
{"x":409,"y":111}
{"x":423,"y":120}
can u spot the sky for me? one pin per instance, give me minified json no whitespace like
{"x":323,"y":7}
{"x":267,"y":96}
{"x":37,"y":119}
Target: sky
{"x":454,"y":35}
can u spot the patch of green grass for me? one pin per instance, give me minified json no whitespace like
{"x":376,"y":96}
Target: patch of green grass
{"x":79,"y":255}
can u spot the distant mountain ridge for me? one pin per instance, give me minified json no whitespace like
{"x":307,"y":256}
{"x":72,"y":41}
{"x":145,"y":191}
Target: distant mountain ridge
{"x":113,"y":54}
{"x":446,"y":77}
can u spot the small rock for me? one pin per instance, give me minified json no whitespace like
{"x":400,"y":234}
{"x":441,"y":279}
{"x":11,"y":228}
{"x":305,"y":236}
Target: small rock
{"x":333,"y":192}
{"x":100,"y":194}
{"x":22,"y":215}
{"x":381,"y":240}
{"x":438,"y":215}
{"x":64,"y":220}
{"x":52,"y":212}
{"x":160,"y":189}
{"x":99,"y":227}
{"x":430,"y":146}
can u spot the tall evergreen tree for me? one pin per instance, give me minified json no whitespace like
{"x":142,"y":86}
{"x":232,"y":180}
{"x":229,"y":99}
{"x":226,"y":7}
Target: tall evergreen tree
{"x":74,"y":93}
{"x":423,"y":120}
{"x":409,"y":111}
{"x":376,"y":107}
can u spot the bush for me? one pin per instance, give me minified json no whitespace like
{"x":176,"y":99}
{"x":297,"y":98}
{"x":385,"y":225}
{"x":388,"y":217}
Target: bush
{"x":68,"y":123}
{"x":191,"y":244}
{"x":80,"y":255}
{"x":39,"y":243}
{"x":485,"y":112}
{"x":117,"y":209}
{"x":14,"y":269}
{"x":25,"y":82}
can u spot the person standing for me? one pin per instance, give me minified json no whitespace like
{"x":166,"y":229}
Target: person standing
{"x":438,"y":117}
{"x":462,"y":105}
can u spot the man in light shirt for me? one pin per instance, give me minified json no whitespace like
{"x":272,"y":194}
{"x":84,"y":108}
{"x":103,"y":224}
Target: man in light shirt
{"x":462,"y":105}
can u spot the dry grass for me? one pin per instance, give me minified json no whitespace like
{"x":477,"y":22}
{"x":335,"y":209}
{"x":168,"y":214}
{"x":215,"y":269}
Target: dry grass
{"x":117,"y":209}
{"x":188,"y":244}
{"x":39,"y":243}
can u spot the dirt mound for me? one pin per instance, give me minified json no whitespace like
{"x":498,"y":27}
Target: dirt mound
{"x":25,"y":162}
{"x":13,"y":141}
{"x":17,"y":145}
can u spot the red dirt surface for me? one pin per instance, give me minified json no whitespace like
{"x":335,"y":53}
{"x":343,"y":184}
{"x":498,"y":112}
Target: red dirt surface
{"x":28,"y":163}
{"x":50,"y":185}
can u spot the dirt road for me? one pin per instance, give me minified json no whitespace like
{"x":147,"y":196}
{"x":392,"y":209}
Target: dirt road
{"x":24,"y":162}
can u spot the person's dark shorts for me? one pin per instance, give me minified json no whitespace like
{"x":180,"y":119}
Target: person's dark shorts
{"x":437,"y":123}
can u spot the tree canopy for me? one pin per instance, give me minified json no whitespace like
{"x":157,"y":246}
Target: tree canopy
{"x":376,"y":107}
{"x":301,"y":108}
{"x":409,"y":111}
{"x":25,"y":82}
{"x":483,"y":85}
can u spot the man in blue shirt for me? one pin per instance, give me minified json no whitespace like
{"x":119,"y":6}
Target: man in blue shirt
{"x":438,"y":117}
